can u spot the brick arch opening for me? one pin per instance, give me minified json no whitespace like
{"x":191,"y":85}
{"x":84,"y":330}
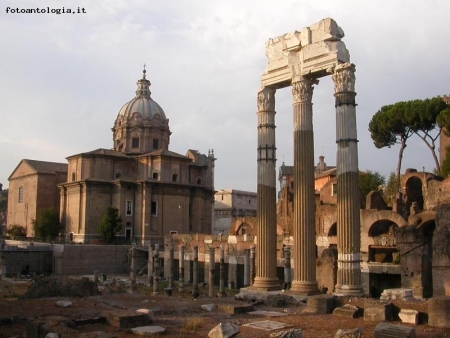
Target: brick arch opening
{"x":333,"y":230}
{"x":413,"y":192}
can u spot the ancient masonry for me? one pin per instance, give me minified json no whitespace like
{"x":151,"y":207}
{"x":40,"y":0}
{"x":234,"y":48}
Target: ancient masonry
{"x":298,"y":59}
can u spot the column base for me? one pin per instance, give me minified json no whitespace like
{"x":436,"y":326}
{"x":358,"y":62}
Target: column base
{"x":304,"y":288}
{"x":265,"y":284}
{"x":348,"y":290}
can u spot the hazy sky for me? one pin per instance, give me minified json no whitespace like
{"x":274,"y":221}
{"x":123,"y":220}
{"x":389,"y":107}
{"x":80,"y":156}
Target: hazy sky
{"x":64,"y":77}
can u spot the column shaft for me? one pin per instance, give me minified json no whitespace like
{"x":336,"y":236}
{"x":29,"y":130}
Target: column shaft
{"x":304,"y":195}
{"x":348,"y":209}
{"x":266,"y":260}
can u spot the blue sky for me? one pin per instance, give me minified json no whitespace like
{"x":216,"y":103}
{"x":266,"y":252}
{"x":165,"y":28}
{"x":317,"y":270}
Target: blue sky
{"x":65,"y":77}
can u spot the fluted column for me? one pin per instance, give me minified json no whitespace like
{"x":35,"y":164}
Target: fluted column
{"x":266,"y":254}
{"x":304,"y":196}
{"x":348,"y":221}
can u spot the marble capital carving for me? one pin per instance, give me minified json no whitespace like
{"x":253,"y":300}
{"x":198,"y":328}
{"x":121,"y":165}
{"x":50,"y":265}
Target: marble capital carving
{"x":266,"y":99}
{"x":344,"y":77}
{"x":302,"y":90}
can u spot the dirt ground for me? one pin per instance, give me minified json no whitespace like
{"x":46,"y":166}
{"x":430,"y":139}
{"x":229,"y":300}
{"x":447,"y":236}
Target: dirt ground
{"x":180,"y":314}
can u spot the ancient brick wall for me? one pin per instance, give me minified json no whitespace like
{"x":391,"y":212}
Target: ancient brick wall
{"x":85,"y":259}
{"x":26,"y":262}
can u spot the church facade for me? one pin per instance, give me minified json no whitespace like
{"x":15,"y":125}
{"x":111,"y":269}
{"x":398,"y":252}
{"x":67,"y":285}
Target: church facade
{"x":156,"y":191}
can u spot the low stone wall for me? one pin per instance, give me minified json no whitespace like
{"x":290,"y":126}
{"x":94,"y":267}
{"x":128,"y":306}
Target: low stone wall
{"x":85,"y":259}
{"x":26,"y":262}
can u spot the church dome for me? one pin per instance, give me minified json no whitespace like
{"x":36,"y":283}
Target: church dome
{"x":141,"y":125}
{"x":142,"y":103}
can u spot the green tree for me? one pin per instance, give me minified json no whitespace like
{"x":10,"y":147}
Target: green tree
{"x":392,"y":188}
{"x":396,"y":123}
{"x":388,"y":127}
{"x":370,"y":180}
{"x":110,"y":224}
{"x":47,"y":224}
{"x":17,"y":230}
{"x":422,"y":117}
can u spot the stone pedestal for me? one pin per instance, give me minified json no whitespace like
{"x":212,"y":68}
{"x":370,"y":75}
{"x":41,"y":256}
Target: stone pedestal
{"x":409,"y":316}
{"x":321,"y":304}
{"x":438,"y":311}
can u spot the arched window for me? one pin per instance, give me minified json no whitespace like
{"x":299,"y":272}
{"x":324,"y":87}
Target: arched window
{"x":20,"y":199}
{"x":73,"y":177}
{"x":199,"y":181}
{"x":118,"y":174}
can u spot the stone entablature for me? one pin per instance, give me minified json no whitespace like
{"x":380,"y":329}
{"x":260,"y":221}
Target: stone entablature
{"x":312,"y":51}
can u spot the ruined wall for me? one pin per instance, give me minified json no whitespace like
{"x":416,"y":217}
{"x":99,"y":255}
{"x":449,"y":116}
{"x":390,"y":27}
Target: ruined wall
{"x":25,"y":262}
{"x":441,"y":252}
{"x":85,"y":259}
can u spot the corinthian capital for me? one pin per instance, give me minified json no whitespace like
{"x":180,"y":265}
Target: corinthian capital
{"x":302,"y":90}
{"x":344,"y":77}
{"x":266,"y":99}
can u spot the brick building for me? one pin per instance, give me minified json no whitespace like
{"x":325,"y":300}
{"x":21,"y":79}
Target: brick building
{"x":33,"y":187}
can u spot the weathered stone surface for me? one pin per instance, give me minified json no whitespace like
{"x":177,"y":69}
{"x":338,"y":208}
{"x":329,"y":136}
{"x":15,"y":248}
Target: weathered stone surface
{"x":400,"y":294}
{"x":224,"y":330}
{"x":354,"y":333}
{"x":126,"y":319}
{"x":386,"y":330}
{"x":348,"y":311}
{"x":96,"y":334}
{"x":293,"y":333}
{"x":235,"y":309}
{"x":148,"y":330}
{"x":209,"y":307}
{"x":377,"y":312}
{"x":409,"y":316}
{"x":321,"y":304}
{"x":64,"y":303}
{"x":438,"y":311}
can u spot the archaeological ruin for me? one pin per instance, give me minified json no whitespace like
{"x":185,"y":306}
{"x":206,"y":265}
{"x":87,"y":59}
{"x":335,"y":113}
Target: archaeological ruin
{"x":298,"y":59}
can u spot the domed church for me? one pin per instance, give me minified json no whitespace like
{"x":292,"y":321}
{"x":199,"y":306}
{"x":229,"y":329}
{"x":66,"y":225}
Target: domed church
{"x":156,"y":191}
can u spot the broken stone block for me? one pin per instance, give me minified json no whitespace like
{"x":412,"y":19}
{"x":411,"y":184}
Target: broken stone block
{"x":148,"y":330}
{"x":52,"y":335}
{"x":386,"y":330}
{"x":208,"y":307}
{"x":321,"y":304}
{"x":409,"y":316}
{"x":354,"y":333}
{"x":399,"y":294}
{"x":348,"y":311}
{"x":377,"y":312}
{"x":235,"y":309}
{"x":40,"y":327}
{"x":293,"y":333}
{"x":224,"y":330}
{"x":148,"y":312}
{"x":438,"y":310}
{"x":64,"y":303}
{"x":126,"y":319}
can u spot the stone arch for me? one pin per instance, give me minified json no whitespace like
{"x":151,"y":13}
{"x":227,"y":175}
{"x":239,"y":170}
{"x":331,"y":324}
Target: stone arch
{"x":332,"y":231}
{"x":377,"y":223}
{"x":414,"y":192}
